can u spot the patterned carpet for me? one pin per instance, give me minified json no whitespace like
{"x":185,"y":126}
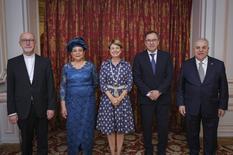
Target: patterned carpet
{"x":132,"y":145}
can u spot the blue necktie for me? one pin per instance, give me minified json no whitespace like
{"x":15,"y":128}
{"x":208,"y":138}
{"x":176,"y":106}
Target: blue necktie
{"x":153,"y":64}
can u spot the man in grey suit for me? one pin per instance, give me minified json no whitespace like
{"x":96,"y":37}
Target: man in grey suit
{"x":202,"y":96}
{"x":30,"y":95}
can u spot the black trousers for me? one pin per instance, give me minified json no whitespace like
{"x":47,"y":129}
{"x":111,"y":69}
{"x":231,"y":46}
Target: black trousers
{"x":30,"y":126}
{"x":148,"y":112}
{"x":210,"y":126}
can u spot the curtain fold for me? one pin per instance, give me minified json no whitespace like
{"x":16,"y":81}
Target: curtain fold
{"x":100,"y":21}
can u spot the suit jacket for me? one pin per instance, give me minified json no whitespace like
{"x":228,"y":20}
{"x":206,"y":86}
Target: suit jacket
{"x":145,"y":80}
{"x":20,"y":92}
{"x":206,"y":97}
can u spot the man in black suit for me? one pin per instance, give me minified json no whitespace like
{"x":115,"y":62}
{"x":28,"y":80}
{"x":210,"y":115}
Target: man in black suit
{"x":202,"y":96}
{"x":152,"y":72}
{"x":30,"y":95}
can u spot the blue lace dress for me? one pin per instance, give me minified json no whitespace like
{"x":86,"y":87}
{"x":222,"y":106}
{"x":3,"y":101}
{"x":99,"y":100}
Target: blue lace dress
{"x":115,"y":119}
{"x":77,"y":89}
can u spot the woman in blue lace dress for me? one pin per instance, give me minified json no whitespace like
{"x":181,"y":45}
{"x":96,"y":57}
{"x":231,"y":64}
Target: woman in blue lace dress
{"x":115,"y":116}
{"x":77,"y":93}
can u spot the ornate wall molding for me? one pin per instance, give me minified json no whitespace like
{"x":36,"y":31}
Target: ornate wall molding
{"x":8,"y":133}
{"x":230,"y":106}
{"x":3,"y":50}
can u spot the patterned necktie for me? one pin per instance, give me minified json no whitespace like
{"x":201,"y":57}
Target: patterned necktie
{"x":201,"y":72}
{"x":153,"y":64}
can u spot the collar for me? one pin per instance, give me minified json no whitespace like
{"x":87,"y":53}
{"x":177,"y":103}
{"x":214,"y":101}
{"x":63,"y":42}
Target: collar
{"x":29,"y":56}
{"x":155,"y":52}
{"x":205,"y":61}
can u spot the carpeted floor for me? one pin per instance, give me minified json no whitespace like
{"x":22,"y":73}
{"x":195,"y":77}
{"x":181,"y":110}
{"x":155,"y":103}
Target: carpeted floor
{"x":132,"y":145}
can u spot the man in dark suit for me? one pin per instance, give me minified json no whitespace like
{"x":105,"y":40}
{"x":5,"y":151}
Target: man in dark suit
{"x":152,"y":72}
{"x":30,"y":95}
{"x":202,"y":96}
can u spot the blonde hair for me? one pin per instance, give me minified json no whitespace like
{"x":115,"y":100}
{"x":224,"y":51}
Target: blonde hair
{"x":115,"y":42}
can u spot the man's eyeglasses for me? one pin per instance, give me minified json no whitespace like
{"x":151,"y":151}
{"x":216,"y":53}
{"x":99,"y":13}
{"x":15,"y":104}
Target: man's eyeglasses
{"x":151,"y":40}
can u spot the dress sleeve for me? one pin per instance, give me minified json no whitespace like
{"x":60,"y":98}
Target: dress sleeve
{"x":103,"y":78}
{"x":129,"y":77}
{"x":63,"y":85}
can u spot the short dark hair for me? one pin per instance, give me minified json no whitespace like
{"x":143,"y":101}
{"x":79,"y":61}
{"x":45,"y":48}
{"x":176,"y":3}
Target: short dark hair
{"x":149,"y":32}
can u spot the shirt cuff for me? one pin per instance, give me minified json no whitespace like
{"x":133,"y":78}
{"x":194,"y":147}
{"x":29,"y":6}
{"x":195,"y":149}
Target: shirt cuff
{"x":12,"y":114}
{"x":148,"y":94}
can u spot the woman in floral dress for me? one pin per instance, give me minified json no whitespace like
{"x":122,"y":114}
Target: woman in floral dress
{"x":115,"y":114}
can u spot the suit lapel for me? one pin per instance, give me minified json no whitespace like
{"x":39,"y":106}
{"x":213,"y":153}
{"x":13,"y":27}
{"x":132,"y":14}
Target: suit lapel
{"x":195,"y":71}
{"x":36,"y":69}
{"x":159,"y":62}
{"x":210,"y":69}
{"x":147,"y":61}
{"x":23,"y":68}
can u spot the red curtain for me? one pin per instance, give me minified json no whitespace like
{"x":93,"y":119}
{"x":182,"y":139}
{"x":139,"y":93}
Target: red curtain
{"x":100,"y":21}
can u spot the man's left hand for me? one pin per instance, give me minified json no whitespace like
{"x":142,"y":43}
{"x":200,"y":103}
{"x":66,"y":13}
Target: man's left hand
{"x":50,"y":114}
{"x":221,"y":112}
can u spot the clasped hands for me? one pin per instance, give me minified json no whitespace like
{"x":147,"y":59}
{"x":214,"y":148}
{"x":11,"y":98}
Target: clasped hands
{"x":116,"y":100}
{"x":153,"y":95}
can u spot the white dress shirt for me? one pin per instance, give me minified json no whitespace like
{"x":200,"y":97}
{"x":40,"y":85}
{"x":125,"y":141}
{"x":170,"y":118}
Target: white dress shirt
{"x":30,"y":64}
{"x":155,"y":55}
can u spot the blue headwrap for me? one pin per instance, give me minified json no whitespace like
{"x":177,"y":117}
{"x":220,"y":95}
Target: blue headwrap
{"x":78,"y":41}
